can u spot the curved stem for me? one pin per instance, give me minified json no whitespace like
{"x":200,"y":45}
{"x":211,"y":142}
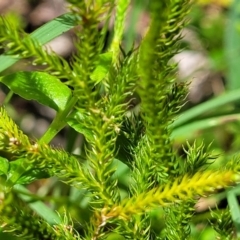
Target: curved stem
{"x":8,"y":97}
{"x":58,"y":122}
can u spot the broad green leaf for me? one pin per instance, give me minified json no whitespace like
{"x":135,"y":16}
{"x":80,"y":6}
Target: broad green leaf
{"x":44,"y":34}
{"x":232,"y":46}
{"x":76,"y":121}
{"x":4,"y":166}
{"x":102,"y":68}
{"x":115,"y":236}
{"x":229,"y":97}
{"x":39,"y":86}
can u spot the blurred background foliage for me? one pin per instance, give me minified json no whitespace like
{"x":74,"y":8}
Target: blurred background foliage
{"x":210,"y":62}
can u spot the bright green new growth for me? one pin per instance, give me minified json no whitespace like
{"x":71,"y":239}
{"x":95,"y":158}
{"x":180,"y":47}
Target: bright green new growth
{"x":104,"y":85}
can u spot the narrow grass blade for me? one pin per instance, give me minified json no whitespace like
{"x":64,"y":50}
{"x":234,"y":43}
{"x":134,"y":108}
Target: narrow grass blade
{"x":54,"y":28}
{"x":191,"y":128}
{"x":229,"y":97}
{"x":235,"y":211}
{"x":232,"y":46}
{"x":44,"y":34}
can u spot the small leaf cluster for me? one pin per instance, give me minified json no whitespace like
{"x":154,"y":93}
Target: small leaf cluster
{"x":222,"y":224}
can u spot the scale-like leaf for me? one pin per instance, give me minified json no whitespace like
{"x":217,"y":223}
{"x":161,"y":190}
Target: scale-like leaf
{"x":39,"y":86}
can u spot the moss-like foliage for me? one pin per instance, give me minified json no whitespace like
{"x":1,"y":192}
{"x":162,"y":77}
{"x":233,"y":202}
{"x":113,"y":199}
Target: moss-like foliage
{"x":104,"y":83}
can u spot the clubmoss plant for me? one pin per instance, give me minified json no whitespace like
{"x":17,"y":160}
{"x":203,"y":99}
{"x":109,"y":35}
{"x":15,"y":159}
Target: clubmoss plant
{"x":93,"y":94}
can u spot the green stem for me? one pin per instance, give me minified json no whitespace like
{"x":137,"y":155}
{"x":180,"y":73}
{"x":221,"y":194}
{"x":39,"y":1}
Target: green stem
{"x":58,"y":122}
{"x":8,"y":97}
{"x":72,"y":136}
